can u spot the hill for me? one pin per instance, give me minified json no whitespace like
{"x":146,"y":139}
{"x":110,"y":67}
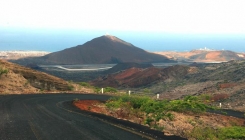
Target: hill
{"x":123,"y":66}
{"x":222,"y":82}
{"x":102,"y":50}
{"x":21,"y":54}
{"x":204,"y":55}
{"x":16,"y":79}
{"x":141,"y":77}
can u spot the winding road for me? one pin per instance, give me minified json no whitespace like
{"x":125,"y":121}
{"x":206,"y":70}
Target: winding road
{"x":52,"y":117}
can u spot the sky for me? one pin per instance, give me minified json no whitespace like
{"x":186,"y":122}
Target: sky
{"x":154,"y":25}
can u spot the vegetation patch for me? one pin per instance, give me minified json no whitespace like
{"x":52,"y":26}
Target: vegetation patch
{"x":153,"y":111}
{"x":85,"y":84}
{"x":185,"y":117}
{"x":70,"y":87}
{"x":3,"y":71}
{"x":110,"y":90}
{"x":192,"y":104}
{"x":235,"y":132}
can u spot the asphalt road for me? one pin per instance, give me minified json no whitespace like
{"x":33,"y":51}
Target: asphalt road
{"x":228,"y":112}
{"x":52,"y":117}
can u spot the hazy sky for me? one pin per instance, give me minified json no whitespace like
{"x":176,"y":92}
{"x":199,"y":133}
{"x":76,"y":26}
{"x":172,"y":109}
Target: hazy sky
{"x":141,"y":22}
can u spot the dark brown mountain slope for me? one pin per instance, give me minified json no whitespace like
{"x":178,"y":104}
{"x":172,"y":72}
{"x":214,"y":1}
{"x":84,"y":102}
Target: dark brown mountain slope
{"x":101,"y":50}
{"x":124,"y":66}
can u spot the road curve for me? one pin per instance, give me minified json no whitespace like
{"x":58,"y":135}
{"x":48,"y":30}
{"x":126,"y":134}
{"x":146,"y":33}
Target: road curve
{"x":52,"y":117}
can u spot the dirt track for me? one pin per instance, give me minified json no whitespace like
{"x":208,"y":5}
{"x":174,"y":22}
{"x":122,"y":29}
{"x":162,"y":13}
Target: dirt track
{"x":51,"y":116}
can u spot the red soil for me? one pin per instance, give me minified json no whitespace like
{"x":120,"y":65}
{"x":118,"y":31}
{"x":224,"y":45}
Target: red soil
{"x":227,"y":85}
{"x":218,"y":97}
{"x":215,"y":55}
{"x":89,"y":105}
{"x":127,"y":73}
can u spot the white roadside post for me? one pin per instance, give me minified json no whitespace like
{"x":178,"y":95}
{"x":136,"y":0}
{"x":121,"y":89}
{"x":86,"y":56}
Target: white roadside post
{"x":157,"y":96}
{"x":220,"y":105}
{"x":102,"y":90}
{"x":129,"y":92}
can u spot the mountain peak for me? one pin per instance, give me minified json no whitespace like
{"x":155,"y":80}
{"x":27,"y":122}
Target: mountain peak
{"x":111,"y":37}
{"x":116,"y":39}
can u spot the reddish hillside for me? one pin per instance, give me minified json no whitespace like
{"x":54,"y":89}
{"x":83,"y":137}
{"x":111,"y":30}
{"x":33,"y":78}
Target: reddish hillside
{"x":102,"y":50}
{"x":223,"y":56}
{"x":137,"y":77}
{"x":204,"y":55}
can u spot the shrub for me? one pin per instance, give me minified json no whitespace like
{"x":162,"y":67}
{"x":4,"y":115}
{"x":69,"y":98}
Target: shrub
{"x":189,"y":104}
{"x":96,"y":89}
{"x":235,"y":132}
{"x":136,"y":101}
{"x":205,"y":97}
{"x":110,"y":90}
{"x":3,"y":71}
{"x":114,"y":103}
{"x":155,"y":110}
{"x":148,"y":121}
{"x":200,"y":133}
{"x":84,"y":84}
{"x":105,"y":90}
{"x":70,"y":87}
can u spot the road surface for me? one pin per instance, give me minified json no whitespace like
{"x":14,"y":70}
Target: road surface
{"x":52,"y":117}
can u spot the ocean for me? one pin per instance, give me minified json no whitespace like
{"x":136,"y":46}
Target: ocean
{"x":56,"y":40}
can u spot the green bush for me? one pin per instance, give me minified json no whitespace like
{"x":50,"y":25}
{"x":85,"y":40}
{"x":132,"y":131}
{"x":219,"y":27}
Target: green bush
{"x":189,"y":104}
{"x":200,"y":133}
{"x":205,"y":97}
{"x":203,"y":133}
{"x":136,"y":101}
{"x":148,"y":121}
{"x":235,"y":132}
{"x":105,"y":90}
{"x":70,"y":87}
{"x":114,"y":103}
{"x":3,"y":71}
{"x":110,"y":90}
{"x":84,"y":84}
{"x":96,"y":89}
{"x":155,"y":110}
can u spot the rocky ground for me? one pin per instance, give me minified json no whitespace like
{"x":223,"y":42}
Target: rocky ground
{"x":182,"y":124}
{"x":21,"y":80}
